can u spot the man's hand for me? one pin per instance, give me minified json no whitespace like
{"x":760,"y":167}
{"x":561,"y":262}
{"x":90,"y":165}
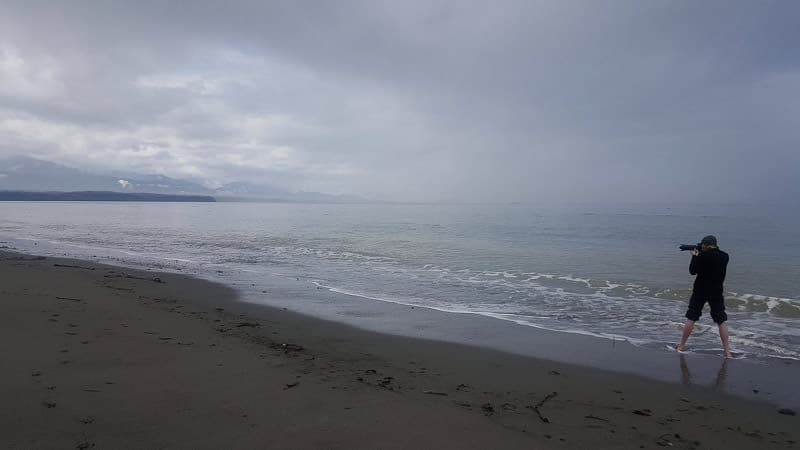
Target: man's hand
{"x":695,"y":252}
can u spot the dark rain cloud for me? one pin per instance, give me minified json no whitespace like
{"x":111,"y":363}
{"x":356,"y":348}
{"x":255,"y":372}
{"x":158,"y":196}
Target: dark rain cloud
{"x":498,"y":101}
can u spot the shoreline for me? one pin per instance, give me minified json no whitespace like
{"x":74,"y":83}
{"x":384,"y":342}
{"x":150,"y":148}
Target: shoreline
{"x":761,"y":379}
{"x":355,"y":388}
{"x":253,"y":283}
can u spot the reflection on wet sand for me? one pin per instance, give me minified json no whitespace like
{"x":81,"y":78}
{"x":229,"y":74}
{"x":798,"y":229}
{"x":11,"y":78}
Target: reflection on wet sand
{"x":720,"y":381}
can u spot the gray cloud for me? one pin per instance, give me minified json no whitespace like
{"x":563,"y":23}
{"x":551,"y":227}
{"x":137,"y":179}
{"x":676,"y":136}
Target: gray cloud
{"x":575,"y":101}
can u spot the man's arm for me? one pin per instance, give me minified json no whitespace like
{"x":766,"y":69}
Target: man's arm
{"x":695,"y":264}
{"x":725,"y":267}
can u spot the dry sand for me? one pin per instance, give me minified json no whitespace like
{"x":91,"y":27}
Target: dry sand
{"x":102,"y":357}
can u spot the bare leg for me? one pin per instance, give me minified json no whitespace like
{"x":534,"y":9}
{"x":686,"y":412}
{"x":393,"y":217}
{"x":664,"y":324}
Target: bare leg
{"x":687,"y":330}
{"x":723,"y":335}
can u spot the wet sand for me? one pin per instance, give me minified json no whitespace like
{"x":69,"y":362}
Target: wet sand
{"x":97,"y":356}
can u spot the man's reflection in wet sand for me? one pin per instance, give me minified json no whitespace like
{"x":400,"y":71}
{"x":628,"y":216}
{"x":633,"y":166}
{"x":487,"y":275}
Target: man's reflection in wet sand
{"x":722,"y":374}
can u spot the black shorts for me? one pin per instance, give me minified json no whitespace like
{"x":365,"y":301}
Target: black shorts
{"x":717,"y":304}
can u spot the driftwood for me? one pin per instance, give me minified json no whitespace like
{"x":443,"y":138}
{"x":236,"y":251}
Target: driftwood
{"x":595,"y":418}
{"x":539,"y":405}
{"x":434,"y":392}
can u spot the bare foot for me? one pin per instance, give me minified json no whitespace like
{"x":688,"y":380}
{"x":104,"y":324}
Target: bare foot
{"x":728,"y":355}
{"x":680,"y":348}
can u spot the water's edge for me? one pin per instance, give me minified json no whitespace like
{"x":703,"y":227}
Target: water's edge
{"x":771,"y":381}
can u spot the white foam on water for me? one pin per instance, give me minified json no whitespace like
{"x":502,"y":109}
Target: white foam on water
{"x":597,"y":304}
{"x":585,"y":281}
{"x":774,"y":350}
{"x":495,"y":315}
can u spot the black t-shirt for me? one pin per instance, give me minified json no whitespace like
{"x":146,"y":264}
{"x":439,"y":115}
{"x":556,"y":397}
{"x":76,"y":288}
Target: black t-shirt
{"x":710,"y":267}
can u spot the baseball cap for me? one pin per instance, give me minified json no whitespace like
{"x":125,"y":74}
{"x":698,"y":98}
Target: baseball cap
{"x":709,"y":240}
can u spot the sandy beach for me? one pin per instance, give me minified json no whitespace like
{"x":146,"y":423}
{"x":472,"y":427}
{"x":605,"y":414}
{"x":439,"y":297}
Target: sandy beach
{"x":97,"y":356}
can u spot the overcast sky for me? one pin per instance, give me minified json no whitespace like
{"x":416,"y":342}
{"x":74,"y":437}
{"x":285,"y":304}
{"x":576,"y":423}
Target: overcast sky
{"x":406,"y":100}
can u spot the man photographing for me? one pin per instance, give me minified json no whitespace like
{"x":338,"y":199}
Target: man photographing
{"x":709,"y":264}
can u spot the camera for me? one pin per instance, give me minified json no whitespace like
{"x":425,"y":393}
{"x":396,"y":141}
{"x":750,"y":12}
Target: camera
{"x":690,"y":247}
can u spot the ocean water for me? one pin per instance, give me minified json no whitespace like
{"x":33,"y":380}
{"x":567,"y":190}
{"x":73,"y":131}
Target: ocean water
{"x":608,"y":271}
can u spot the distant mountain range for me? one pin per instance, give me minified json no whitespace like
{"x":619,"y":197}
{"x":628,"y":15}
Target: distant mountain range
{"x":99,"y":196}
{"x":23,"y":173}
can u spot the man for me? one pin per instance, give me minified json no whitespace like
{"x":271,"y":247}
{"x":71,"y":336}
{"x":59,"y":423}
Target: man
{"x":709,"y":265}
